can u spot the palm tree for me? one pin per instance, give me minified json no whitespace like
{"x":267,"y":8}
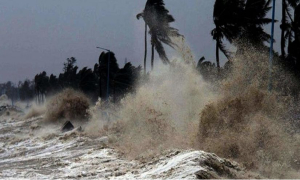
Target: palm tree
{"x":158,"y":19}
{"x":240,"y":20}
{"x":254,"y":18}
{"x":226,"y":19}
{"x":286,"y":27}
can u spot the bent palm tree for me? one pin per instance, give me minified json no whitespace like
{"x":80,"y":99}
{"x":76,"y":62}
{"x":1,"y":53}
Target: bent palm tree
{"x":226,"y":19}
{"x":158,"y":19}
{"x":237,"y":20}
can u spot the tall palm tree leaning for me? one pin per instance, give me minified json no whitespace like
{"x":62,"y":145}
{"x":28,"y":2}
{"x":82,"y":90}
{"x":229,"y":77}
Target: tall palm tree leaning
{"x":285,"y":26}
{"x":226,"y":17}
{"x":158,"y":19}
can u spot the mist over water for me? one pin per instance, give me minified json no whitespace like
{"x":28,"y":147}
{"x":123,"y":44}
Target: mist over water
{"x":234,"y":115}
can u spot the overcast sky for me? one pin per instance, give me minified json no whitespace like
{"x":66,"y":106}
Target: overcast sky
{"x":37,"y":35}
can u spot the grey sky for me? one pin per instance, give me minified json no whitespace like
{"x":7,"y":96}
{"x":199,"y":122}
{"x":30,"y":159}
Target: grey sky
{"x":39,"y":35}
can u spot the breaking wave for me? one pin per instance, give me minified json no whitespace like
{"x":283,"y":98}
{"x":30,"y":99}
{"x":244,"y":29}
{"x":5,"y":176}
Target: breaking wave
{"x":234,"y":117}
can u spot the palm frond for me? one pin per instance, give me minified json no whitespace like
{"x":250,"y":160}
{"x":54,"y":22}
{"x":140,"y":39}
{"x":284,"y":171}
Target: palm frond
{"x":293,"y":3}
{"x":224,"y":50}
{"x":160,"y":50}
{"x":268,"y":3}
{"x":158,"y":19}
{"x":288,"y":12}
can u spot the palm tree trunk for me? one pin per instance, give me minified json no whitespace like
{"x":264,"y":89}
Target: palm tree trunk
{"x":145,"y":57}
{"x":217,"y":54}
{"x":152,"y":57}
{"x":283,"y":26}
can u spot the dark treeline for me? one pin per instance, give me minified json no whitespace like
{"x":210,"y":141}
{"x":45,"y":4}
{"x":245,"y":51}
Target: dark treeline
{"x":92,"y":82}
{"x":237,"y":22}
